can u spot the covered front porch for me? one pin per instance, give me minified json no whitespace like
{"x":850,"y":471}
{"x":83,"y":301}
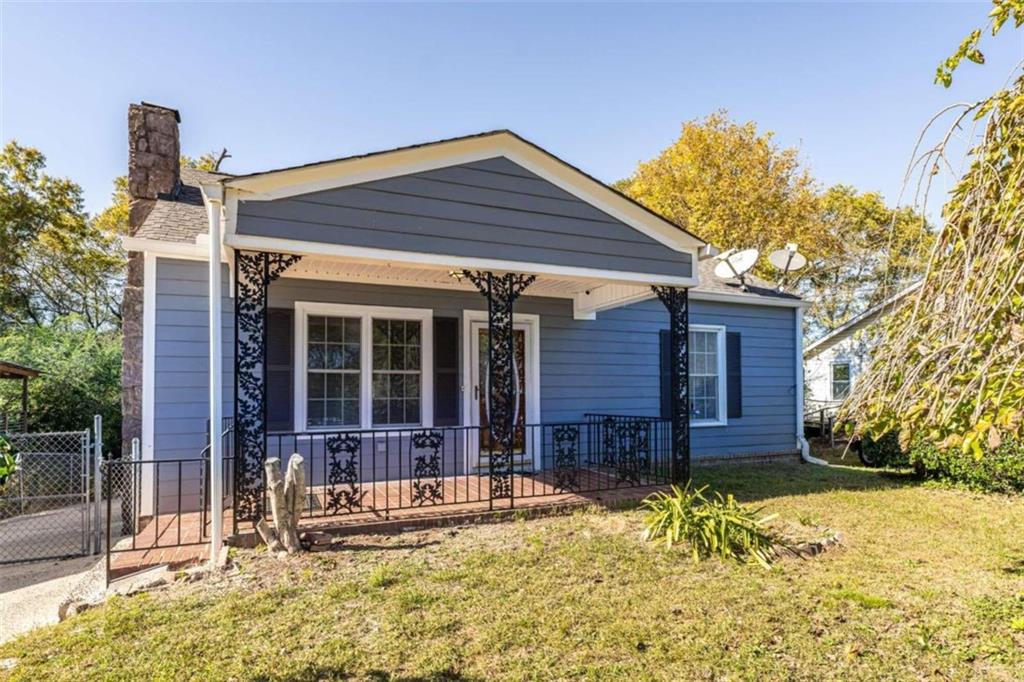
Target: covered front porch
{"x":413,"y":407}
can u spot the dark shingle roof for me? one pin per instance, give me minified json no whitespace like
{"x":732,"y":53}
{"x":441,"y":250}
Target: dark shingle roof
{"x":181,"y":217}
{"x":756,"y":287}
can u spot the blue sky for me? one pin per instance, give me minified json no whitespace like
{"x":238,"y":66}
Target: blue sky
{"x":603,"y":86}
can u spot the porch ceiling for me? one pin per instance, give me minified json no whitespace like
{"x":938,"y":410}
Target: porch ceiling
{"x":589,"y":295}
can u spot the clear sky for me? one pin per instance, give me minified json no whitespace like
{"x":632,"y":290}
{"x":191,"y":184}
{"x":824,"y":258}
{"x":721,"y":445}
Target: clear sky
{"x":603,"y":86}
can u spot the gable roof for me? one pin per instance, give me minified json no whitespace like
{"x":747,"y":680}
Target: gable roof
{"x":181,"y":218}
{"x":354,"y":170}
{"x":860,"y":321}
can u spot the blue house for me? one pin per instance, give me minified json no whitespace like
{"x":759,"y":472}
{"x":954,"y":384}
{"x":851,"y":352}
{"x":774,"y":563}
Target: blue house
{"x":469,"y":320}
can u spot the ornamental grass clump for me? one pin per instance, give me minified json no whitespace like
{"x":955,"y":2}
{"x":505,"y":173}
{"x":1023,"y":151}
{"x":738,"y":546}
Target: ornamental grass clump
{"x":711,"y":526}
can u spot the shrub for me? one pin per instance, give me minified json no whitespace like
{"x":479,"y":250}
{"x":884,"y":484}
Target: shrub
{"x":997,"y":470}
{"x":82,"y":376}
{"x":719,"y":526}
{"x":884,"y":452}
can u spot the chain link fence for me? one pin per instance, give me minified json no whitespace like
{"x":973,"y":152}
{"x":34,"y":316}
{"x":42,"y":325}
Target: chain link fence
{"x":47,"y":508}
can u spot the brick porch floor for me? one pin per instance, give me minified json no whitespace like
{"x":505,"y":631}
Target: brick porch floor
{"x":179,"y":539}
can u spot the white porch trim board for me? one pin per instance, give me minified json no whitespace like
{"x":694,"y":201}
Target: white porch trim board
{"x":213,"y":210}
{"x":446,"y":262}
{"x":148,"y":377}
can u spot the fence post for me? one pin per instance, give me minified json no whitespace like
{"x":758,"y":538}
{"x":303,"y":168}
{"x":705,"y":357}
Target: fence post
{"x":135,"y":496}
{"x":97,"y":426}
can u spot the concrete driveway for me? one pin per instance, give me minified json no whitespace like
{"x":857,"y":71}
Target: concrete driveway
{"x":31,"y":593}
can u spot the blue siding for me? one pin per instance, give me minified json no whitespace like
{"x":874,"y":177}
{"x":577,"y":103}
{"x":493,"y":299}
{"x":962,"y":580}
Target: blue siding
{"x":485,"y":209}
{"x":605,"y":365}
{"x":182,"y":357}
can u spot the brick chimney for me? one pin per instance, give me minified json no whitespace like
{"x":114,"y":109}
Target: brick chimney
{"x":154,"y":171}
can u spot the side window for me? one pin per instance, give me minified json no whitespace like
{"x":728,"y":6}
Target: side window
{"x":840,"y":380}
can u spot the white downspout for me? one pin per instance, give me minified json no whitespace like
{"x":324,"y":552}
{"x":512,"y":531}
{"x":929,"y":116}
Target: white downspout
{"x":213,"y":209}
{"x":801,"y":442}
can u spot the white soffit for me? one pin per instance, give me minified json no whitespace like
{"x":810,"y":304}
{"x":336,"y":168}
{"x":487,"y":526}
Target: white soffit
{"x":403,"y":275}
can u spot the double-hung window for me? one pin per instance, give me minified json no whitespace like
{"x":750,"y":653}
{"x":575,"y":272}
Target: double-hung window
{"x":361,"y":367}
{"x":707,"y":375}
{"x":840,"y":380}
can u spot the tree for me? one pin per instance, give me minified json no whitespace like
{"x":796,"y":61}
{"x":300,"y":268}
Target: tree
{"x":950,"y":367}
{"x":879,"y":252}
{"x":82,"y":376}
{"x":54,"y":261}
{"x":735,"y":187}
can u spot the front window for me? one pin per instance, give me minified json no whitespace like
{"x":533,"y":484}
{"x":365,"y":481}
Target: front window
{"x":396,"y":371}
{"x":333,"y":350}
{"x":840,"y":380}
{"x":705,"y":376}
{"x":362,"y":367}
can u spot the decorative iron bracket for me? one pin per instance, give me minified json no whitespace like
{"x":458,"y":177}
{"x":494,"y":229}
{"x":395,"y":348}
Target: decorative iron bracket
{"x":501,"y":291}
{"x":254,"y":271}
{"x":677,"y":302}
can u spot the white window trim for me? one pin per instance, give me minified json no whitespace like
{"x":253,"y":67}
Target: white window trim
{"x":832,"y":378}
{"x":723,"y":398}
{"x":303,"y":309}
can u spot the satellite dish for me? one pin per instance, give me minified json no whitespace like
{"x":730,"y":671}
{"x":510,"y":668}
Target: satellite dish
{"x":736,"y":264}
{"x":787,"y":259}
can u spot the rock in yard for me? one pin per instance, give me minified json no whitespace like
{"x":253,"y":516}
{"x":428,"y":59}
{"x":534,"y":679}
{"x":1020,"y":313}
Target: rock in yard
{"x":196,"y":573}
{"x":72,"y":608}
{"x":146,"y":585}
{"x":313,"y":538}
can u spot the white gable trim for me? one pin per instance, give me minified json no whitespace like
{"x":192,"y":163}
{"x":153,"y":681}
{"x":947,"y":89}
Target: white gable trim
{"x":345,"y":172}
{"x":445,"y":262}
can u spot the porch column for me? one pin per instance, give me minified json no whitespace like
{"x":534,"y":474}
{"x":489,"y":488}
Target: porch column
{"x":676,"y":300}
{"x":501,"y":292}
{"x":216,"y":385}
{"x":254,"y":271}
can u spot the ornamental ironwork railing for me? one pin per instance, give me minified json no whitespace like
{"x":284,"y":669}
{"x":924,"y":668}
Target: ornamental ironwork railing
{"x":153,"y":504}
{"x":376,"y":472}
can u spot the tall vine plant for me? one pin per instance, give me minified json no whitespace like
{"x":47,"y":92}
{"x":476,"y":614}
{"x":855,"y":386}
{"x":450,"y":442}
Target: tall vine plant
{"x":950,"y":366}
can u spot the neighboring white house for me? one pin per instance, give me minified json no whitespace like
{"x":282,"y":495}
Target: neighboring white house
{"x":833,"y":362}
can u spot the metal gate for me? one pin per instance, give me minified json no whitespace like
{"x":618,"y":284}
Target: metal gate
{"x":49,"y":507}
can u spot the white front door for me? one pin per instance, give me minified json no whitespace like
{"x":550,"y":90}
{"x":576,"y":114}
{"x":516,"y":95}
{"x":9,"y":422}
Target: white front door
{"x":525,"y":382}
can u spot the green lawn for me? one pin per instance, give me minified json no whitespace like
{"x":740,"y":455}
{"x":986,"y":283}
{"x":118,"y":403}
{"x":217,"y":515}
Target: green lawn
{"x":929,"y":583}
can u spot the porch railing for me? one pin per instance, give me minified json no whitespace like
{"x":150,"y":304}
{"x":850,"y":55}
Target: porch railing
{"x":369,"y":475}
{"x":377,"y":472}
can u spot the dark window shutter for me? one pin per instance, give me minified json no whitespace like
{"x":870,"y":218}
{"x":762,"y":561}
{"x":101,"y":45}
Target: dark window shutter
{"x":665,"y":373}
{"x":280,"y":369}
{"x":734,"y":374}
{"x":446,"y":371}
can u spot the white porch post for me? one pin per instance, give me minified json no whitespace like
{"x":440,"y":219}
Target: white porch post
{"x":213,"y":209}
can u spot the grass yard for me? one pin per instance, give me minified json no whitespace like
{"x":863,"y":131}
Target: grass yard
{"x":928,"y":583}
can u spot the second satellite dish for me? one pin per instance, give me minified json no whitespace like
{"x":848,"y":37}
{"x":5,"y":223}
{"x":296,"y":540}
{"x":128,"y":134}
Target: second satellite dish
{"x":736,"y":264}
{"x":787,"y":259}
